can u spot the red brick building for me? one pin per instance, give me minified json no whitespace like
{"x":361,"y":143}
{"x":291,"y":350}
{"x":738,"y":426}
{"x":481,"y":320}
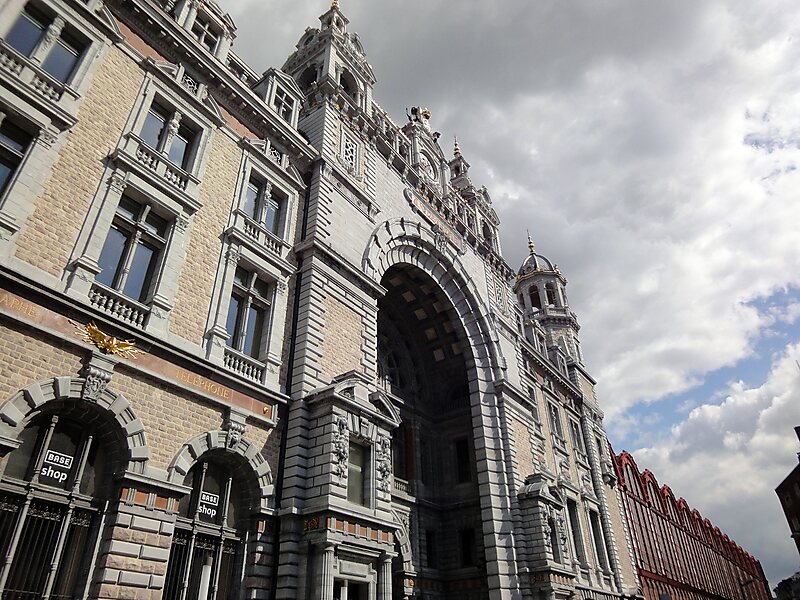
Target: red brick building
{"x":679,"y":553}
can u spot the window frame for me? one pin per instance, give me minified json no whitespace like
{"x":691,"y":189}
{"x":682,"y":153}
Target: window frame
{"x":556,"y":426}
{"x":349,"y":141}
{"x":251,"y":296}
{"x":137,"y":228}
{"x":14,"y":155}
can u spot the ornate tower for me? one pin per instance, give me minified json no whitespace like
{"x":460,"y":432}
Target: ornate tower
{"x":549,"y":323}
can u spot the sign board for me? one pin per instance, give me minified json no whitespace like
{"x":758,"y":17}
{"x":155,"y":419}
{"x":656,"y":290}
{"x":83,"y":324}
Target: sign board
{"x":208,"y":506}
{"x":56,"y":468}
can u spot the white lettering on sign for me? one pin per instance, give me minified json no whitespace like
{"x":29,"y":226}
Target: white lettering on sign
{"x":56,"y":458}
{"x":207,"y":507}
{"x":207,"y":498}
{"x":56,"y":467}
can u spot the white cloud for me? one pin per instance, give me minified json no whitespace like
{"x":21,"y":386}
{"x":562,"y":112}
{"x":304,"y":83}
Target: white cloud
{"x":728,"y":458}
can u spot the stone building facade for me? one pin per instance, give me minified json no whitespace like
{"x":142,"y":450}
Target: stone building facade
{"x":679,"y":553}
{"x":257,"y":340}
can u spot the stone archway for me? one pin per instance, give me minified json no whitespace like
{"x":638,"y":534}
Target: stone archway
{"x":17,"y":410}
{"x":229,"y":441}
{"x":404,"y":243}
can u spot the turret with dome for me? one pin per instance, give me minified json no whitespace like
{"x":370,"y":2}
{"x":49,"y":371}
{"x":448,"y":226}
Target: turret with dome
{"x":549,"y":323}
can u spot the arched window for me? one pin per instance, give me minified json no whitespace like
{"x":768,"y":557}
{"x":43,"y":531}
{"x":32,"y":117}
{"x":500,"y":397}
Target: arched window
{"x":349,"y":85}
{"x":536,"y":301}
{"x":207,"y":556}
{"x":307,"y":78}
{"x":552,"y":297}
{"x":54,"y":491}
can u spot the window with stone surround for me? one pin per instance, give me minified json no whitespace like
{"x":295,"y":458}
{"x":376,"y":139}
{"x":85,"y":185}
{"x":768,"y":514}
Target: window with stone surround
{"x":599,"y":540}
{"x":208,"y":545}
{"x":577,"y":532}
{"x":264,"y":204}
{"x":577,"y":437}
{"x":555,"y":420}
{"x":14,"y":143}
{"x":249,"y":313}
{"x":206,"y":33}
{"x":167,"y":131}
{"x":48,"y":40}
{"x":133,"y":250}
{"x":358,"y":480}
{"x":283,"y":104}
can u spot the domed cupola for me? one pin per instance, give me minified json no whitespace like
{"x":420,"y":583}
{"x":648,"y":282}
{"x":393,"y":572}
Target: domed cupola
{"x":541,"y":292}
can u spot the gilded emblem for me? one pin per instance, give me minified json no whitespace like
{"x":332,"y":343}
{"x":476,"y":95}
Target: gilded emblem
{"x":108,"y":344}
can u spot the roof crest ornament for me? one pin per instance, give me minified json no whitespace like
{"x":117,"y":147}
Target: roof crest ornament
{"x":335,"y":5}
{"x":531,"y":245}
{"x":456,"y":149}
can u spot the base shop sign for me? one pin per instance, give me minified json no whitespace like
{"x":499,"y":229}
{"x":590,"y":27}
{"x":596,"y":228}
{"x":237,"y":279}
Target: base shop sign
{"x":208,"y":505}
{"x":56,"y":467}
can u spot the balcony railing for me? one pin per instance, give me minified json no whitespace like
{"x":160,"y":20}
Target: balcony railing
{"x":244,"y":365}
{"x":158,"y":165}
{"x":402,"y":486}
{"x":118,"y":306}
{"x":31,"y":75}
{"x":259,"y":234}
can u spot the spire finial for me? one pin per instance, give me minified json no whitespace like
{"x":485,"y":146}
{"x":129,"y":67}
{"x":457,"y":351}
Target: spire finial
{"x":334,"y":4}
{"x":531,"y":246}
{"x":456,"y":149}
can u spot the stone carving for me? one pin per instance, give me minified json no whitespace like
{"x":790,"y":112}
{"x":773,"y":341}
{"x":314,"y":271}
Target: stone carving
{"x":383,"y":466}
{"x":341,"y":445}
{"x":96,"y":382}
{"x":439,"y":238}
{"x":235,"y":432}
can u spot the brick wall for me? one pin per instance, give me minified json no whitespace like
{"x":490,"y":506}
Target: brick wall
{"x":196,"y":281}
{"x":48,"y":237}
{"x":341,"y":346}
{"x":29,"y":357}
{"x":169,"y":419}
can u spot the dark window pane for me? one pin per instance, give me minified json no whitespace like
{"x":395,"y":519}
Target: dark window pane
{"x":255,"y":327}
{"x":137,"y":286}
{"x":251,"y":199}
{"x":262,"y":288}
{"x":61,"y":60}
{"x":155,"y":224}
{"x":20,"y":463}
{"x":14,"y":138}
{"x":355,"y":474}
{"x":6,"y":170}
{"x":232,"y":323}
{"x":154,"y":126}
{"x":128,"y":208}
{"x":463,"y":470}
{"x":25,"y":34}
{"x":272,"y":215}
{"x":467,"y":543}
{"x":180,"y":149}
{"x":111,"y":256}
{"x":241,"y":277}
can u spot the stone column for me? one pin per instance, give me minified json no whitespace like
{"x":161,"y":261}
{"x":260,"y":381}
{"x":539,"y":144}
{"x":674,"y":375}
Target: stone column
{"x":325,"y":573}
{"x":385,"y":578}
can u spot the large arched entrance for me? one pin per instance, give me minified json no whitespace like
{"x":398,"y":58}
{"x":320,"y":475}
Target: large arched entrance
{"x":423,"y":358}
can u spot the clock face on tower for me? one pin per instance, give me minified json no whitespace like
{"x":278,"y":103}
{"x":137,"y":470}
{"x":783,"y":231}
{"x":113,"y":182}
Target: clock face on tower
{"x":427,"y":167}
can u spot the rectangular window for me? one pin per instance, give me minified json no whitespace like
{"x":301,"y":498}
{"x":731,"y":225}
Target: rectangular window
{"x":27,"y":33}
{"x":247,"y":313}
{"x":205,"y":33}
{"x":599,"y":542}
{"x":357,"y":479}
{"x":577,"y":436}
{"x":555,"y":420}
{"x":63,"y":57}
{"x":466,"y":544}
{"x":167,"y":131}
{"x":14,"y":142}
{"x":133,"y":250}
{"x":577,"y":534}
{"x":430,"y":549}
{"x":263,"y":203}
{"x":283,"y":104}
{"x":463,"y":465}
{"x":28,"y":30}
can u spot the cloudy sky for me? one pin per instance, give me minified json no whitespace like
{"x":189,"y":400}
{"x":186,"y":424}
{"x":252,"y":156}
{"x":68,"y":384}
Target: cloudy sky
{"x":652,"y":149}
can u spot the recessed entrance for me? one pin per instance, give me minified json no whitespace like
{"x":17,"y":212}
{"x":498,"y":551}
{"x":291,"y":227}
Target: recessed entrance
{"x":423,"y":358}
